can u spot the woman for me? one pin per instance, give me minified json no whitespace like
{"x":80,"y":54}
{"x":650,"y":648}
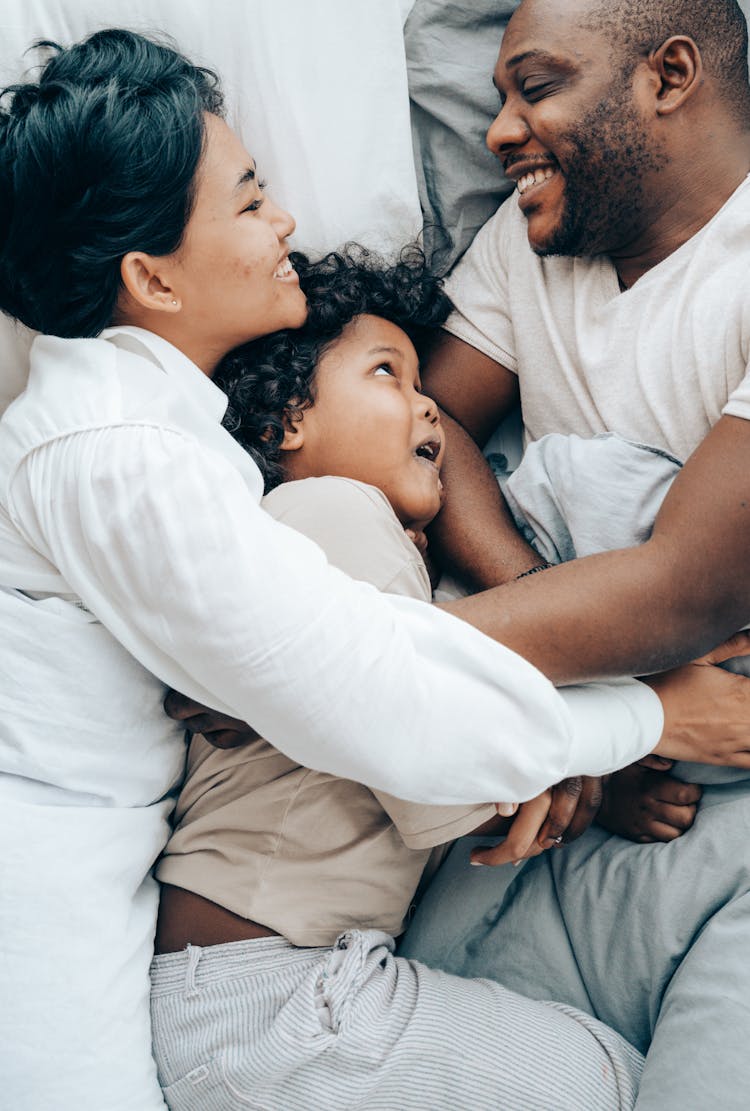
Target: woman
{"x":133,"y":553}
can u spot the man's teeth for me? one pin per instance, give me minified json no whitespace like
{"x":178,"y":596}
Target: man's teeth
{"x":283,"y":269}
{"x":535,"y":178}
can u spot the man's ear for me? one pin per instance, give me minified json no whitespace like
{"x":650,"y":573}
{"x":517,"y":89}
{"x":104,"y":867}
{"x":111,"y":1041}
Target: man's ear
{"x":147,"y":281}
{"x":679,"y":68}
{"x":294,"y":433}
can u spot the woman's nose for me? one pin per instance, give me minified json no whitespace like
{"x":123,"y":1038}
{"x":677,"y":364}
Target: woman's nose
{"x":282,"y":221}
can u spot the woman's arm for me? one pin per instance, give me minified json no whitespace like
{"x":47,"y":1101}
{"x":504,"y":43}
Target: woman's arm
{"x":164,"y":543}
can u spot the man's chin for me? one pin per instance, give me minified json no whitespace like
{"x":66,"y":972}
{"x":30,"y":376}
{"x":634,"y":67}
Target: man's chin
{"x":542,"y":233}
{"x":545,"y":247}
{"x":562,"y":238}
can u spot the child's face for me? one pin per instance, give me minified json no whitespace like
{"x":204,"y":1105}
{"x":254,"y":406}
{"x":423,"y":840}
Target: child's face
{"x":370,"y":422}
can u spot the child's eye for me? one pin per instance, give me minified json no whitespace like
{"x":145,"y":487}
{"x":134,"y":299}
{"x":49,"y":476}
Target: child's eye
{"x":383,"y":368}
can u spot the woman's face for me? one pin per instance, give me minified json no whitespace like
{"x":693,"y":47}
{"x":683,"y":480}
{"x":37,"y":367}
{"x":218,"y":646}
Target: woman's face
{"x":231,"y":276}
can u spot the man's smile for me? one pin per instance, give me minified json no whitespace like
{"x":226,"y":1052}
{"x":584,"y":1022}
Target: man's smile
{"x":533,"y":178}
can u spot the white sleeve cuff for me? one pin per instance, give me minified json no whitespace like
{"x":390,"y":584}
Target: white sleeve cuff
{"x":613,"y":724}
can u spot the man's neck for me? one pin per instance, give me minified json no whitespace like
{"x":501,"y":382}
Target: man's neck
{"x":690,"y":199}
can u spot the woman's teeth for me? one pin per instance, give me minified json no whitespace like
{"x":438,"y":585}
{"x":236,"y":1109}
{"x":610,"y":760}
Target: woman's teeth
{"x":283,"y":269}
{"x":538,"y":177}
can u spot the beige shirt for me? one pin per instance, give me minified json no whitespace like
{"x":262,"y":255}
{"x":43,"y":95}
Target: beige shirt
{"x":657,"y":364}
{"x":303,"y":852}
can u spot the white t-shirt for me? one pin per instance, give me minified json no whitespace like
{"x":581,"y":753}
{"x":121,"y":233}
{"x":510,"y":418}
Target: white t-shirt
{"x":658,"y":363}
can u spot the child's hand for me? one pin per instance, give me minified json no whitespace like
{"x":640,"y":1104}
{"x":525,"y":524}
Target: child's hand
{"x":419,"y":540}
{"x":645,"y":805}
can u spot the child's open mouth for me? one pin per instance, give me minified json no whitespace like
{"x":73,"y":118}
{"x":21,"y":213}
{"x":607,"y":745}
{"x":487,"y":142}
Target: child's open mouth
{"x":429,"y":451}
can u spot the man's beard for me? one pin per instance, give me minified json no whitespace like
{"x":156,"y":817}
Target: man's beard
{"x":609,"y":156}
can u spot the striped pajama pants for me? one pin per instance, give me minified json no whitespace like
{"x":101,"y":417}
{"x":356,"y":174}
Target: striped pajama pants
{"x":264,"y":1025}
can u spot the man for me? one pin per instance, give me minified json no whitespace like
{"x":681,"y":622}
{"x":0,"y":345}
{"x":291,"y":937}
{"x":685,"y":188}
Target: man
{"x":610,"y":295}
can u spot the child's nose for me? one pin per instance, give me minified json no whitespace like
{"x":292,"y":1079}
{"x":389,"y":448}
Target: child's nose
{"x":430,"y":410}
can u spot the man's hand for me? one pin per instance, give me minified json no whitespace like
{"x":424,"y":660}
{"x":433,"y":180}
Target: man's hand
{"x":645,"y":805}
{"x":219,"y":730}
{"x":555,"y":817}
{"x":706,"y":709}
{"x":575,"y":804}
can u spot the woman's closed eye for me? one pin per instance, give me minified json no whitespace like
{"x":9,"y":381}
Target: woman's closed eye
{"x":257,"y":201}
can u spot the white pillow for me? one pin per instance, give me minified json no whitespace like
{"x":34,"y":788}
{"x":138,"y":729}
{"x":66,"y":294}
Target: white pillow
{"x":317,"y":90}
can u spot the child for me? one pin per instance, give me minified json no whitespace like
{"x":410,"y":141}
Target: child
{"x":275,"y":985}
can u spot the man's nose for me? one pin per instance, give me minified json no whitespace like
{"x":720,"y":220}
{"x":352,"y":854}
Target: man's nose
{"x":507,"y":131}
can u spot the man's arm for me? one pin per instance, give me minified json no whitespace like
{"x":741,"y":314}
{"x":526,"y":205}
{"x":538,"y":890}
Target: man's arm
{"x":474,"y":535}
{"x":633,"y":611}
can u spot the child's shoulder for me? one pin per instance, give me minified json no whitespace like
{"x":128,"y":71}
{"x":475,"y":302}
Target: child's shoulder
{"x":357,"y":529}
{"x":327,"y":493}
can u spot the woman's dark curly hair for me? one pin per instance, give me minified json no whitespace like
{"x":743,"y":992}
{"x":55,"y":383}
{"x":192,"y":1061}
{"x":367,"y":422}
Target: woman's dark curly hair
{"x":272,"y":379}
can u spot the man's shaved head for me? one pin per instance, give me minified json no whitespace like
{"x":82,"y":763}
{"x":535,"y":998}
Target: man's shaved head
{"x":718,"y":28}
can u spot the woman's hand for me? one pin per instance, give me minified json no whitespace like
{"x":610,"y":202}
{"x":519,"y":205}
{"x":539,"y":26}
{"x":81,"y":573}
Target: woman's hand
{"x":557,"y":816}
{"x":706,"y":709}
{"x":521,"y":842}
{"x":218,"y":729}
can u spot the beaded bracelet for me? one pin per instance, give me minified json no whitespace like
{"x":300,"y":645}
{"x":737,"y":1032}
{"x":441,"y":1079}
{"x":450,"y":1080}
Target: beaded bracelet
{"x":533,"y":570}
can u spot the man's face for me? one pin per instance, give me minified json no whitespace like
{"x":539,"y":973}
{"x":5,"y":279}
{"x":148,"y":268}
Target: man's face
{"x":571,"y":134}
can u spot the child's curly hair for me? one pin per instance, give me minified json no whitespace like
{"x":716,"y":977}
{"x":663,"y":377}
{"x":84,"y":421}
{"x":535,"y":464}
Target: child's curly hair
{"x":272,"y":379}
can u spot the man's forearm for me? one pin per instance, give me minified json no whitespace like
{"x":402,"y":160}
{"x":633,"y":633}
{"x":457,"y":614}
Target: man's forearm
{"x":475,"y":536}
{"x":574,"y":626}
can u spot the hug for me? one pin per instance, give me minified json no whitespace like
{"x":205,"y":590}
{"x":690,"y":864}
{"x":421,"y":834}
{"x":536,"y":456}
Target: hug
{"x":226,"y":476}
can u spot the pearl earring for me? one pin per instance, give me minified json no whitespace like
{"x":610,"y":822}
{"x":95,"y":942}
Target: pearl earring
{"x":173,"y":301}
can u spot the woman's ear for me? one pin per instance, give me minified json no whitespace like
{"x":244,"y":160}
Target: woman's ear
{"x":294,"y":434}
{"x":146,"y":279}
